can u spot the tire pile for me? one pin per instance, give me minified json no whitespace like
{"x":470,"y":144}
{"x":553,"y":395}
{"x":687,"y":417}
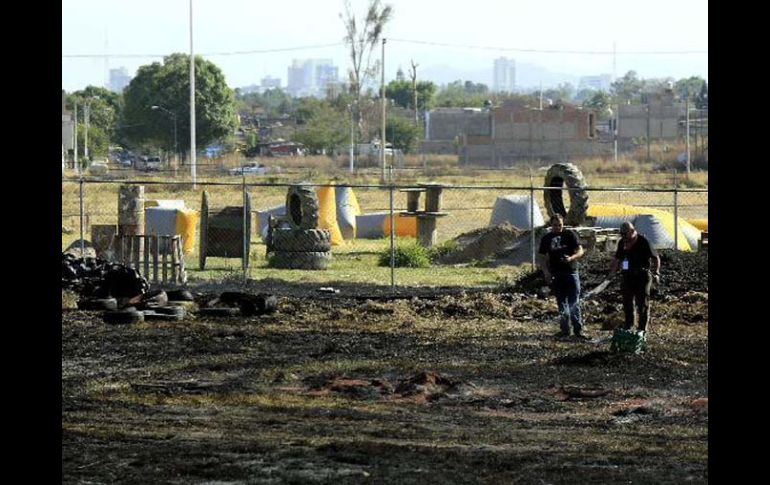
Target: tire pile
{"x":298,"y":244}
{"x":569,"y":175}
{"x":98,"y":278}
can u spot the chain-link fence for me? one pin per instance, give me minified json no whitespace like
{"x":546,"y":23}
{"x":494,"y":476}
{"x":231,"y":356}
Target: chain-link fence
{"x":442,"y":235}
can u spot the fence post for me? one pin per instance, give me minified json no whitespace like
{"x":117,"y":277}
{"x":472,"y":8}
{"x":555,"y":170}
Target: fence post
{"x":82,"y":215}
{"x":246,"y":227}
{"x":532,"y":216}
{"x":676,"y":212}
{"x":392,"y":236}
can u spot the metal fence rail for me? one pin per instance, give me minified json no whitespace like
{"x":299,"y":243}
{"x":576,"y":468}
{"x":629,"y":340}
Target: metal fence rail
{"x":238,"y":209}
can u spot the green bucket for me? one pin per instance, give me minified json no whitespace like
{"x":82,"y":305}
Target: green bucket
{"x":628,"y":341}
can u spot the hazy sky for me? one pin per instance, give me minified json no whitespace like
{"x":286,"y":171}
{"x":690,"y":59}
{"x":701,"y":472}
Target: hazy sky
{"x":153,"y":28}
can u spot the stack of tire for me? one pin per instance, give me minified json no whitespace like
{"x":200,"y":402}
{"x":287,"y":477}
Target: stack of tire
{"x":299,"y":244}
{"x":569,"y":175}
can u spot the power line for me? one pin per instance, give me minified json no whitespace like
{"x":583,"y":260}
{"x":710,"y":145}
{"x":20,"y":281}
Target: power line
{"x":226,"y":53}
{"x":551,"y":51}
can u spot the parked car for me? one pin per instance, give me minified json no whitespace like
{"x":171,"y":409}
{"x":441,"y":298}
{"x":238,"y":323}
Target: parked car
{"x":148,"y":163}
{"x":250,"y":168}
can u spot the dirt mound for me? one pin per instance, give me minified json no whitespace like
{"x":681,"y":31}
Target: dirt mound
{"x":681,"y":273}
{"x":425,"y":386}
{"x":482,"y":243}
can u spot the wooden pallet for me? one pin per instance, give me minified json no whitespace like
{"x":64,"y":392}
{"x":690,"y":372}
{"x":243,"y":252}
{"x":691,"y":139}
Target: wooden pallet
{"x":158,"y":258}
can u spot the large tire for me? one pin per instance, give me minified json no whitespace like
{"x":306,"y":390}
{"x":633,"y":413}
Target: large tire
{"x":301,"y":240}
{"x":180,"y":295}
{"x":309,"y":260}
{"x":559,"y":175}
{"x":123,"y":317}
{"x":302,"y":207}
{"x":219,"y":312}
{"x":98,"y":304}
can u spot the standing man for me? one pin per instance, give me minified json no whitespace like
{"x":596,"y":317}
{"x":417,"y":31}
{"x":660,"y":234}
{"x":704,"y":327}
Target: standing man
{"x":560,"y":250}
{"x":639,"y":264}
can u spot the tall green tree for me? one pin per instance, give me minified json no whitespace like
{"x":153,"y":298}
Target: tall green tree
{"x":702,"y":100}
{"x":104,"y":108}
{"x":167,"y":85}
{"x":459,"y":94}
{"x":599,"y":101}
{"x":403,"y":133}
{"x":628,"y":88}
{"x":401,"y":93}
{"x":320,"y":126}
{"x":689,"y":87}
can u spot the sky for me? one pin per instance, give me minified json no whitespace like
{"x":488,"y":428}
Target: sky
{"x":239,"y":35}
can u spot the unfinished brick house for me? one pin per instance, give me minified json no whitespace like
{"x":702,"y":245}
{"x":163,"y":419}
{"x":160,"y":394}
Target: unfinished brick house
{"x":514,"y":133}
{"x":659,"y":117}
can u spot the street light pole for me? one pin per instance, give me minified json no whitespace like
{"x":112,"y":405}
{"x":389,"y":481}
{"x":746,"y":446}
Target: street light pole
{"x":352,"y":136}
{"x":382,"y":133}
{"x":75,"y":142}
{"x":192,"y":102}
{"x":173,"y":118}
{"x":86,"y":115}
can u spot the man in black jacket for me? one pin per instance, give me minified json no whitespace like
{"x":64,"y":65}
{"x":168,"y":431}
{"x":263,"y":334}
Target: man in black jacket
{"x":561,"y":249}
{"x":639,"y":264}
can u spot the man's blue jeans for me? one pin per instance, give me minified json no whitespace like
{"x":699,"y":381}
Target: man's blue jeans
{"x":566,"y":288}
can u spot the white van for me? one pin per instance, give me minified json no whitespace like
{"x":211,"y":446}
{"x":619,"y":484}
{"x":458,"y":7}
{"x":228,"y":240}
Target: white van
{"x":148,"y":163}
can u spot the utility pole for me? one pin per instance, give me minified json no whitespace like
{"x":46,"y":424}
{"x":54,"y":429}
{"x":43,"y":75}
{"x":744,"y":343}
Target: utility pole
{"x":648,"y":132}
{"x":192,"y":101}
{"x":75,"y":135}
{"x":413,"y":75}
{"x":85,"y":134}
{"x":352,"y":136}
{"x":615,"y":132}
{"x":687,"y":130}
{"x":382,"y":87}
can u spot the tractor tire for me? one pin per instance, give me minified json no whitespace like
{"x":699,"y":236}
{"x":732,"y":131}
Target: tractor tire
{"x":568,"y":174}
{"x":177,"y":311}
{"x":180,"y":295}
{"x":296,"y":260}
{"x":122,"y":317}
{"x":219,"y":312}
{"x":150,"y":315}
{"x":302,"y":207}
{"x":302,"y":240}
{"x":98,"y":304}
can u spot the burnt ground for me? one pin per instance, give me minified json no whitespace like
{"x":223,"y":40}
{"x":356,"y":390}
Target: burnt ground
{"x":458,"y":388}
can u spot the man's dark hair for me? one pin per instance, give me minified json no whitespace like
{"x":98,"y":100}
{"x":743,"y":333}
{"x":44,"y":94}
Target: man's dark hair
{"x":555,"y":217}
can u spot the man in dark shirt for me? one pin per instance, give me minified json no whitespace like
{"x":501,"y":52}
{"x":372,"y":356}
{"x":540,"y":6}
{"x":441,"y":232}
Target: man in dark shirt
{"x":561,"y":249}
{"x":639,"y":264}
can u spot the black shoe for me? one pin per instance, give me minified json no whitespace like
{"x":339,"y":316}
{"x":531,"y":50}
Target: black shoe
{"x":561,"y":335}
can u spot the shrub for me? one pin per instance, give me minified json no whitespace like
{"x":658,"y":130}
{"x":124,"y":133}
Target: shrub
{"x":408,"y":254}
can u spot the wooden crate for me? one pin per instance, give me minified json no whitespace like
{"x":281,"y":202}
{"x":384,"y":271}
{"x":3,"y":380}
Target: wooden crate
{"x":158,"y":258}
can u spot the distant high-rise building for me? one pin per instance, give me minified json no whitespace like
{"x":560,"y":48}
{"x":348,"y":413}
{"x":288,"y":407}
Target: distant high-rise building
{"x":504,"y":75}
{"x":601,"y":82}
{"x":309,"y":77}
{"x":269,"y":82}
{"x":119,"y":79}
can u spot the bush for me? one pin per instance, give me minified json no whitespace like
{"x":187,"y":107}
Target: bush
{"x":409,"y":254}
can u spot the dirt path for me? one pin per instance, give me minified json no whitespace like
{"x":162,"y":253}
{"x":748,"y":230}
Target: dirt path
{"x":456,"y":389}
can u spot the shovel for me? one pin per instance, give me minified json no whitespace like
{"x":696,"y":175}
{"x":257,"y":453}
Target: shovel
{"x":599,"y":288}
{"x":590,"y":294}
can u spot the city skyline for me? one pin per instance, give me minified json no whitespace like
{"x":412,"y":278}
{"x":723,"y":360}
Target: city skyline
{"x":249,"y":42}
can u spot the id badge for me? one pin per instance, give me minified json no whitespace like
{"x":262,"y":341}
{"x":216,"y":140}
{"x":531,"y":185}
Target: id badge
{"x":624,"y":265}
